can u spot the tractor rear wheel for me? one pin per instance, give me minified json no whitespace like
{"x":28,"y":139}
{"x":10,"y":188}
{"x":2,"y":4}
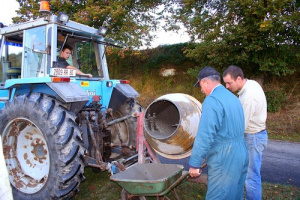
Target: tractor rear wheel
{"x":42,"y":148}
{"x":124,"y":132}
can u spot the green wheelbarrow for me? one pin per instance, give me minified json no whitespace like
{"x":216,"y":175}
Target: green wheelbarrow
{"x":152,"y":179}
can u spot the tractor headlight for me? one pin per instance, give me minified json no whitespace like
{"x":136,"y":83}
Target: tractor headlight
{"x":102,"y":31}
{"x":63,"y":17}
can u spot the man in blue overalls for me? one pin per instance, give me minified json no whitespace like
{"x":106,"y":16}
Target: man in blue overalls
{"x":220,"y":139}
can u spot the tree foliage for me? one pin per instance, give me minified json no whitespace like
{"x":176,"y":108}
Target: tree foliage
{"x":129,"y":21}
{"x":148,"y":60}
{"x":257,"y":35}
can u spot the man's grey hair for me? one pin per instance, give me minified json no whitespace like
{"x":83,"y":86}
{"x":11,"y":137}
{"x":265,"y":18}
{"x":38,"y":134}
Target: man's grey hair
{"x":213,"y":78}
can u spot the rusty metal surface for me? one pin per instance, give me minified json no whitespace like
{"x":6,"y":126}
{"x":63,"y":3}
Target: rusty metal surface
{"x":171,"y":124}
{"x":149,"y":179}
{"x":27,"y":156}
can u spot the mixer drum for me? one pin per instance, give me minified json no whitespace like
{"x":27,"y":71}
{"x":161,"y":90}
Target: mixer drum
{"x":171,"y":124}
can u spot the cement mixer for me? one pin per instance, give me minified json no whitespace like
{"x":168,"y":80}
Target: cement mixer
{"x":171,"y":123}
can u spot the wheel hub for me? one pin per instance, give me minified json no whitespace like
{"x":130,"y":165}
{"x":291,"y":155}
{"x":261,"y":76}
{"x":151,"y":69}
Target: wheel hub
{"x":39,"y":151}
{"x":26,"y":154}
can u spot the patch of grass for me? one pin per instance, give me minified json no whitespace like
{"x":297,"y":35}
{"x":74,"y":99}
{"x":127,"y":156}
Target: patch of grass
{"x":276,"y":191}
{"x":275,"y":98}
{"x":153,"y":86}
{"x":281,"y":125}
{"x":98,"y":186}
{"x":285,"y":123}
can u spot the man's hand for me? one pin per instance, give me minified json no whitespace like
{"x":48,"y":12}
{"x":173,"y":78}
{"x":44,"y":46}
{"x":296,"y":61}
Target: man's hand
{"x":194,"y":172}
{"x":78,"y":72}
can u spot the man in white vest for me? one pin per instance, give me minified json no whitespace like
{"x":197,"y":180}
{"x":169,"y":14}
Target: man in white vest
{"x":254,"y":103}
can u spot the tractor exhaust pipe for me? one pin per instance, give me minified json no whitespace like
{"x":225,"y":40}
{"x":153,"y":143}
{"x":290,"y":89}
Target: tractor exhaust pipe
{"x":171,"y":124}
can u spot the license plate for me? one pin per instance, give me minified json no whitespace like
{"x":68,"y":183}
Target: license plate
{"x":62,"y":72}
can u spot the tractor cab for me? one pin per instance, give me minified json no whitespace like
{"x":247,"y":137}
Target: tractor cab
{"x":29,"y":57}
{"x":31,"y":49}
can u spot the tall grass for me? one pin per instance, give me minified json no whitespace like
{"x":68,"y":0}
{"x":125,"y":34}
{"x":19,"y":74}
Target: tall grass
{"x":143,"y":69}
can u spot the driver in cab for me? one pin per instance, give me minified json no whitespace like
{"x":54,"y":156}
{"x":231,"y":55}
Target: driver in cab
{"x":64,"y":56}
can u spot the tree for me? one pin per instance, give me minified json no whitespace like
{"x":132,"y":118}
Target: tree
{"x":129,"y":21}
{"x":257,"y":35}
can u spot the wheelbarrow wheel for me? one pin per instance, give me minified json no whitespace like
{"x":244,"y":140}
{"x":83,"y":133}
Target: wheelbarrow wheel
{"x":126,"y":196}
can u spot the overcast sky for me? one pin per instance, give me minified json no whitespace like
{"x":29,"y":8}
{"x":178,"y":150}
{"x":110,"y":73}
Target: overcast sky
{"x":7,"y":11}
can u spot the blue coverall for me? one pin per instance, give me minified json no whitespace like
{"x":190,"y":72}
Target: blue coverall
{"x":220,"y":139}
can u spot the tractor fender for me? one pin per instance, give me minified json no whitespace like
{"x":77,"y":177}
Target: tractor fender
{"x":120,"y":94}
{"x":70,"y":93}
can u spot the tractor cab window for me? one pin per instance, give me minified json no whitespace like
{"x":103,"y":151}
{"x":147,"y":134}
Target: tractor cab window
{"x":61,"y":41}
{"x":35,"y":49}
{"x":85,"y":56}
{"x":84,"y":51}
{"x":11,"y":56}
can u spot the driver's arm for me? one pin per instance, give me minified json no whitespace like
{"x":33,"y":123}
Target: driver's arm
{"x":78,"y":72}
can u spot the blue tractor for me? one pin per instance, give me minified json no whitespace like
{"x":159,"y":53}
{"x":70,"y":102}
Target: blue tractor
{"x":54,"y":123}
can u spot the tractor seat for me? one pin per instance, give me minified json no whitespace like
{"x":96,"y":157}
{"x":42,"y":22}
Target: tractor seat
{"x":14,"y":72}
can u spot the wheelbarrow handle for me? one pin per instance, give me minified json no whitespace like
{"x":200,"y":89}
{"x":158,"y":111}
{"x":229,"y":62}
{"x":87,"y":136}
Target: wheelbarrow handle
{"x":202,"y":167}
{"x":183,"y":176}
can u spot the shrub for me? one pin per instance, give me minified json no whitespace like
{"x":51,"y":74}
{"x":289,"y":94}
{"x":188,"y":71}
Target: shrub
{"x":274,"y":100}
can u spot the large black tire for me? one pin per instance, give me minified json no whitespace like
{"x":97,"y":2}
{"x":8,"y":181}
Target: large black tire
{"x":124,"y":132}
{"x":42,"y":148}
